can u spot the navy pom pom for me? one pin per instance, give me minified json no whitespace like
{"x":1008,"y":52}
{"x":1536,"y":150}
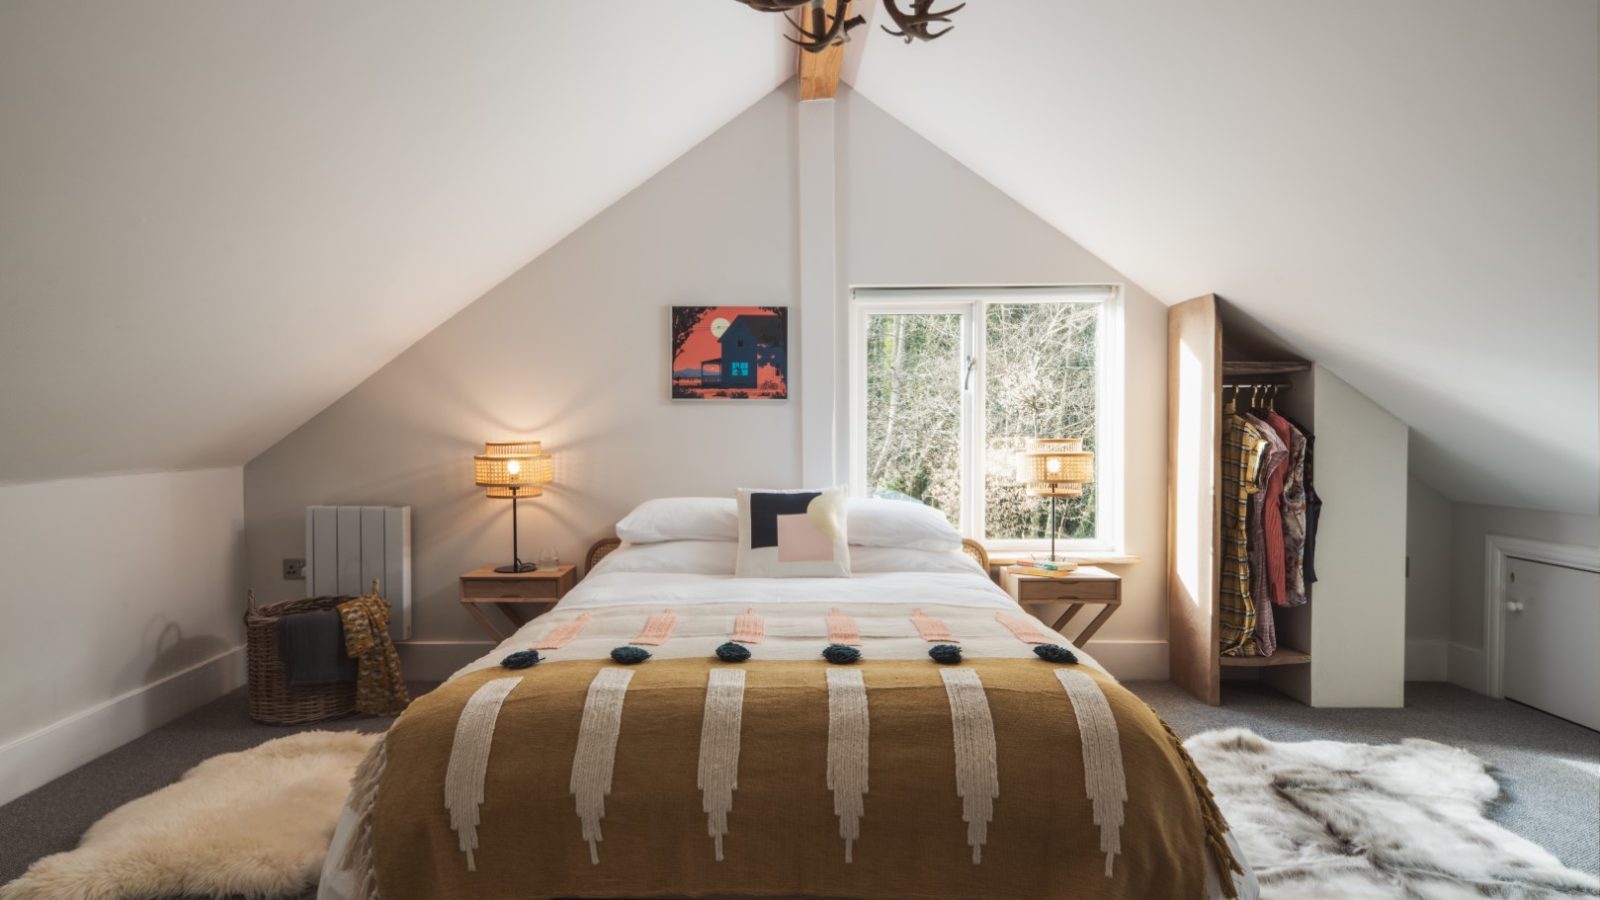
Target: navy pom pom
{"x":630,"y":656}
{"x":841,"y":654}
{"x":520,"y":659}
{"x":1055,"y":653}
{"x":945,"y":654}
{"x":732,"y":652}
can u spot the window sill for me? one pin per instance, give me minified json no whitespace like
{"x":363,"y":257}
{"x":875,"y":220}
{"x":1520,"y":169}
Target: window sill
{"x":1083,"y":558}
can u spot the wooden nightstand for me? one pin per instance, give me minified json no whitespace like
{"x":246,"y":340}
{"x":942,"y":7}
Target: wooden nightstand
{"x":1084,"y":586}
{"x":520,"y":595}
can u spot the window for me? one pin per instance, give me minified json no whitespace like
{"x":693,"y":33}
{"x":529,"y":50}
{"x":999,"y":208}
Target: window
{"x":947,"y":384}
{"x":739,"y":369}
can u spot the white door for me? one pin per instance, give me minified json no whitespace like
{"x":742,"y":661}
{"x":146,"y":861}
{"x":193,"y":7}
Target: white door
{"x":1552,"y":623}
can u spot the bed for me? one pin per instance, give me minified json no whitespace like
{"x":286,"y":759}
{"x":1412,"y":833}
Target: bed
{"x":998,"y":770}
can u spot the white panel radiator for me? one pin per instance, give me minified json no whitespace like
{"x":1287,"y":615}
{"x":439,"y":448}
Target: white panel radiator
{"x":348,"y":546}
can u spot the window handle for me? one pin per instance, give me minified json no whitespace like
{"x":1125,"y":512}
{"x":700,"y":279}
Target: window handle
{"x":966,"y":379}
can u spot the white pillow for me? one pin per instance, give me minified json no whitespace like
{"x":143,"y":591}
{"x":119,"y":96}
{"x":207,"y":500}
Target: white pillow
{"x":693,"y":557}
{"x":879,"y":560}
{"x":681,"y":519}
{"x":875,"y":522}
{"x":791,"y":534}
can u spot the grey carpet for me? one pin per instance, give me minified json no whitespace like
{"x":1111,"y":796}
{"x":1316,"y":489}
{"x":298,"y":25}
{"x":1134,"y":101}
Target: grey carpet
{"x":1550,"y":769}
{"x":52,"y":818}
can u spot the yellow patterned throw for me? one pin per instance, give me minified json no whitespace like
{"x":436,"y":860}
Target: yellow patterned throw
{"x":380,"y":687}
{"x":1002,"y":776}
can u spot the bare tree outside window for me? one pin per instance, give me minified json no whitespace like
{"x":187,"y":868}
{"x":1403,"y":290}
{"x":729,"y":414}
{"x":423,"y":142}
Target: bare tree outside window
{"x":1039,"y":382}
{"x":1040,"y":373}
{"x":914,"y":408}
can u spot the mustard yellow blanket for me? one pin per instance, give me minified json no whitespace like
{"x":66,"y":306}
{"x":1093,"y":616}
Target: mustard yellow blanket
{"x":999,"y":777}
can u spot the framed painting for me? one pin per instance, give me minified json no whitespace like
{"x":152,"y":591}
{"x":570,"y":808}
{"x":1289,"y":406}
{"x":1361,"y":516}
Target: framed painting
{"x":730,"y":353}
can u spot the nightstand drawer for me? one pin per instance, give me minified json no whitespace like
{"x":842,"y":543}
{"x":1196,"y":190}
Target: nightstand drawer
{"x":1045,"y":591}
{"x":481,"y":585}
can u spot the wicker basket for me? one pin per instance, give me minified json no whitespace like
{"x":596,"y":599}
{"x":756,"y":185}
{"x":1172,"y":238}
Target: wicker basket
{"x":272,"y":700}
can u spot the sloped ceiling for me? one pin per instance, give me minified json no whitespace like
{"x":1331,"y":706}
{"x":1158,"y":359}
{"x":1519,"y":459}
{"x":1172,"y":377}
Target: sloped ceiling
{"x":216,"y":218}
{"x":1405,"y":192}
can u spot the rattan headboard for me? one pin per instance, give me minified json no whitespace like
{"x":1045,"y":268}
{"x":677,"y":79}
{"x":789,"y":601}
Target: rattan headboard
{"x":598,"y":551}
{"x":975,"y":550}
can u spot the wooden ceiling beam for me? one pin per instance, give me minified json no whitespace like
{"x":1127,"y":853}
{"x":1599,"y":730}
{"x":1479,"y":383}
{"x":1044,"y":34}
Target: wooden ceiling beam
{"x":819,"y":72}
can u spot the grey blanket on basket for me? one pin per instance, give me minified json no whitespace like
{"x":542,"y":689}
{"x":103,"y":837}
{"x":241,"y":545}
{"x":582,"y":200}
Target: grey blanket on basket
{"x":312,"y":646}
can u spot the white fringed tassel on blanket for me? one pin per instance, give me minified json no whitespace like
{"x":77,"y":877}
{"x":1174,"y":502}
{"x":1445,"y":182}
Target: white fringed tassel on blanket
{"x":597,"y":751}
{"x":977,"y":770}
{"x":1102,"y":758}
{"x":357,"y":857}
{"x":469,"y":762}
{"x":719,"y":750}
{"x":847,"y":752}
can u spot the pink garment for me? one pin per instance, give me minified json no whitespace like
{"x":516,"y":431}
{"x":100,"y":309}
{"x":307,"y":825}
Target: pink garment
{"x":1275,"y":522}
{"x":1270,"y":509}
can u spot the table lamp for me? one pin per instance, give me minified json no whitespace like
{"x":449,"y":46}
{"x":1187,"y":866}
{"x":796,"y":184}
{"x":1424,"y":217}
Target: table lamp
{"x":512,"y":469}
{"x":1055,"y":467}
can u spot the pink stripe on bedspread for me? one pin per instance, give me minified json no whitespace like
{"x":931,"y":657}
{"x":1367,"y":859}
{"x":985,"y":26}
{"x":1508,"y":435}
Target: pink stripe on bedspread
{"x":562,"y":634}
{"x":930,"y":628}
{"x":657,"y":629}
{"x":842,"y":629}
{"x":749,"y":628}
{"x":1025,"y":630}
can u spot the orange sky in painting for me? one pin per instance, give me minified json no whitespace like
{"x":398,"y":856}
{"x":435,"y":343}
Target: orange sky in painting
{"x":701,"y":345}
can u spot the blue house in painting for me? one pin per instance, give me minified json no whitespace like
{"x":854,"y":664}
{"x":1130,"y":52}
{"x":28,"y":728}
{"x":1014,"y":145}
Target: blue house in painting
{"x":748,"y":343}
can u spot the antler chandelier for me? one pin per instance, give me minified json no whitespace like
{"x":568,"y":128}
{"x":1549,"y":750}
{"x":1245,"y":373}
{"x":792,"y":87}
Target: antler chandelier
{"x":824,"y":30}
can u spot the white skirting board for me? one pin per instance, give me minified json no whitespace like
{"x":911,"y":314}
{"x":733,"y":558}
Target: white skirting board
{"x":436,"y":660}
{"x":1428,"y":659}
{"x":56,"y":749}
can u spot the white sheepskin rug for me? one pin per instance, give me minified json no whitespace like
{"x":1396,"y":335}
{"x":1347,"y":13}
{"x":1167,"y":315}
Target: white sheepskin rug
{"x":1355,"y":821}
{"x":254,"y":824}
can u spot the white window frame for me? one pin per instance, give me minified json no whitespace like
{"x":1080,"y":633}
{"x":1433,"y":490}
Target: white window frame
{"x":1110,"y":380}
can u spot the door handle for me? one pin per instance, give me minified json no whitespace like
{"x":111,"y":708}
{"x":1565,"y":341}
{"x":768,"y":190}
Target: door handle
{"x":1515,"y":606}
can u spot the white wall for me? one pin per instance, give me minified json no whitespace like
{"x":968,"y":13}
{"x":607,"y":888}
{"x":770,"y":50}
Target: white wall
{"x":1358,"y":607}
{"x":122,"y":602}
{"x":572,"y":350}
{"x":912,"y":215}
{"x":1429,"y":531}
{"x":1472,"y":525}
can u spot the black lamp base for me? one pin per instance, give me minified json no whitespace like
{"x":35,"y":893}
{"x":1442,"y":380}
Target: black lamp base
{"x":516,"y":568}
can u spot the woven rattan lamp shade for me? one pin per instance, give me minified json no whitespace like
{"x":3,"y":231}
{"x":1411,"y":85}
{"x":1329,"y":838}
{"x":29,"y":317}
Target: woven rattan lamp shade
{"x":1057,"y":467}
{"x":513,"y":464}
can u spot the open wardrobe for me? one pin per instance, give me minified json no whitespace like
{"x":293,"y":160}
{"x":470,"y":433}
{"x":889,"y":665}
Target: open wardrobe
{"x":1287,"y":520}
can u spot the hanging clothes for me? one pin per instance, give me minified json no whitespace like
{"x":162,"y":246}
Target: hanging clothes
{"x":1313,"y":509}
{"x":1242,"y":448}
{"x":1266,"y":535}
{"x":1294,"y":511}
{"x":1266,"y":542}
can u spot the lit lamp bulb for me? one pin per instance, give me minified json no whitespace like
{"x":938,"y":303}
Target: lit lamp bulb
{"x":515,"y":466}
{"x":1051,"y":465}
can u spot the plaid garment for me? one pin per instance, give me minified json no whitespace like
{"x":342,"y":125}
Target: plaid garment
{"x":1242,"y":447}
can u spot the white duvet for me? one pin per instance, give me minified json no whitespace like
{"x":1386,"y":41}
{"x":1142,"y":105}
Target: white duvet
{"x":632,"y":578}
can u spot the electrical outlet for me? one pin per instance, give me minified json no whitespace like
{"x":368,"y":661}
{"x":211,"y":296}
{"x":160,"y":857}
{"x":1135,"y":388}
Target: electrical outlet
{"x":294,"y":570}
